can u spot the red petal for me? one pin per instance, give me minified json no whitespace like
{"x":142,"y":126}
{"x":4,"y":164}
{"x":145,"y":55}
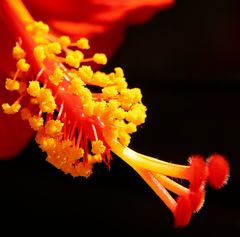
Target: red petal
{"x":15,"y":133}
{"x":102,"y":21}
{"x":218,"y":171}
{"x":183,"y":211}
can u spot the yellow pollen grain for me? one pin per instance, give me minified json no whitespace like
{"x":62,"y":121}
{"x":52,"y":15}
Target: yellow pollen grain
{"x":18,"y":52}
{"x":100,"y":58}
{"x":137,"y":114}
{"x":11,"y":84}
{"x":74,"y":58}
{"x":101,"y":79}
{"x":85,"y":72}
{"x":39,"y":53}
{"x":65,"y":41}
{"x":88,"y":108}
{"x":109,"y":92}
{"x":33,"y":88}
{"x":98,"y":147}
{"x":53,"y":48}
{"x":37,"y":27}
{"x":83,"y":43}
{"x":36,"y":122}
{"x":84,"y":170}
{"x":46,"y":100}
{"x":119,"y":72}
{"x":22,"y":65}
{"x":53,"y":128}
{"x":11,"y":109}
{"x":57,"y":76}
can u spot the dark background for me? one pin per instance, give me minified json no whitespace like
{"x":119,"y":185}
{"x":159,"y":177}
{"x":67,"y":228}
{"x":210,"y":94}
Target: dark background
{"x":186,"y":61}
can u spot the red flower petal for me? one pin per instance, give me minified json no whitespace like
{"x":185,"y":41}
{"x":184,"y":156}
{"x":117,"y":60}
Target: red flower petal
{"x":102,"y":21}
{"x":15,"y":133}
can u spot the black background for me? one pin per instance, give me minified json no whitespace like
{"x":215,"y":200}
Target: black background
{"x":186,"y":61}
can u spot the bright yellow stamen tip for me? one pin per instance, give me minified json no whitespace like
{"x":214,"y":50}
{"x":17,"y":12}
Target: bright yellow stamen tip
{"x":22,"y":65}
{"x":33,"y":88}
{"x":46,"y":100}
{"x":37,"y":27}
{"x":98,"y":147}
{"x":83,"y":43}
{"x":36,"y":122}
{"x":11,"y":109}
{"x":57,"y":76}
{"x":100,"y":58}
{"x":85,"y":72}
{"x":53,"y":48}
{"x":53,"y":128}
{"x":74,"y":58}
{"x":39,"y":53}
{"x":65,"y":41}
{"x":18,"y":52}
{"x":11,"y":84}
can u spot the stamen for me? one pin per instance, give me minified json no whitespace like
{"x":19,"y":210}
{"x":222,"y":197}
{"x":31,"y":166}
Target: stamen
{"x":78,"y":127}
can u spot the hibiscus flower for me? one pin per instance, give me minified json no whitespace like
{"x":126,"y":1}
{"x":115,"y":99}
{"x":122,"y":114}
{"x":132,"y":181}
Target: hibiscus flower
{"x":79,"y":114}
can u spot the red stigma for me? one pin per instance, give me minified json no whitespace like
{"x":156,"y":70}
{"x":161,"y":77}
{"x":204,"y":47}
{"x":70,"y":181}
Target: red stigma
{"x":183,"y":211}
{"x":218,"y":171}
{"x":199,"y":172}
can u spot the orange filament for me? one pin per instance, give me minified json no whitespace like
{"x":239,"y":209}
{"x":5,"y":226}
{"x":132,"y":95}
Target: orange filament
{"x":78,"y":127}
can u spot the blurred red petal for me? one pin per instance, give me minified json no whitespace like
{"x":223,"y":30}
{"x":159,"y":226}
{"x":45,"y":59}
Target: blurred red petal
{"x":102,"y":21}
{"x":15,"y":133}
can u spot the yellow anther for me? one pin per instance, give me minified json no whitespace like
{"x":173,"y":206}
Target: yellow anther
{"x":99,"y":107}
{"x":101,"y":79}
{"x":124,"y":138}
{"x":74,"y":58}
{"x":84,"y":170}
{"x":130,"y":128}
{"x":37,"y":27}
{"x":25,"y":114}
{"x":53,"y":128}
{"x":11,"y":109}
{"x":136,"y":94}
{"x":39,"y":53}
{"x":57,"y":76}
{"x":119,"y":72}
{"x":88,"y":108}
{"x":95,"y":159}
{"x":83,"y":43}
{"x":119,"y":113}
{"x":33,"y":88}
{"x":46,"y":100}
{"x":18,"y":52}
{"x":22,"y":65}
{"x":36,"y":122}
{"x":47,"y":144}
{"x":53,"y":48}
{"x":109,"y":92}
{"x":76,"y":87}
{"x":137,"y":114}
{"x":100,"y":58}
{"x":85,"y":72}
{"x":11,"y":84}
{"x":65,"y":41}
